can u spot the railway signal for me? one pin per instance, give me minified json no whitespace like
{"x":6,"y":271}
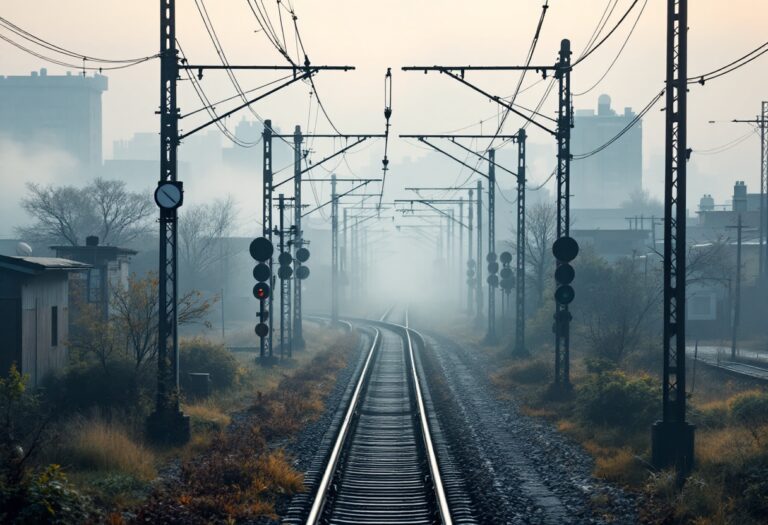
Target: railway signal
{"x":506,"y":282}
{"x":565,"y":249}
{"x":261,"y":249}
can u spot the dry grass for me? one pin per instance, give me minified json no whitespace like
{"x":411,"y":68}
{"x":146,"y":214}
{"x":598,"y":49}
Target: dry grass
{"x":236,"y":476}
{"x":95,"y":445}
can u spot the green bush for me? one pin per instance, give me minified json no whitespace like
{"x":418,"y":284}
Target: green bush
{"x":45,"y":497}
{"x":204,"y":356}
{"x":751,"y":409}
{"x":86,"y":385}
{"x":615,"y":399}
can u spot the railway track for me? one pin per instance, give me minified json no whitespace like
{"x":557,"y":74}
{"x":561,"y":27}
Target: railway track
{"x":382,"y":466}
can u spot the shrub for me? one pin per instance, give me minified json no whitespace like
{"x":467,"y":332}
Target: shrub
{"x":751,"y":410}
{"x":45,"y":497}
{"x":92,"y":444}
{"x":201,"y":355}
{"x":117,"y":385}
{"x":533,"y":372}
{"x":616,"y":399}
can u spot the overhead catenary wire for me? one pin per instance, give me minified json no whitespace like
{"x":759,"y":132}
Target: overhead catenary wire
{"x":616,"y":58}
{"x":30,"y":37}
{"x":621,"y":133}
{"x":606,"y":37}
{"x":731,"y":66}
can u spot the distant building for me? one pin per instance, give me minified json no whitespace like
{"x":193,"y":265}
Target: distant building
{"x":109,"y":267}
{"x":615,"y":244}
{"x":718,"y":218}
{"x":34,"y":313}
{"x":55,"y":111}
{"x":608,"y":178}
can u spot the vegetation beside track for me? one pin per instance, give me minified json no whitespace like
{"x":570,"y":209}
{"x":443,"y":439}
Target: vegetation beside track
{"x":87,"y":461}
{"x":610,"y":412}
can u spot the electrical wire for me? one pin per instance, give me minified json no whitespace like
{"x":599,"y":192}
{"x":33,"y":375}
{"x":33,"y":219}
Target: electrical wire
{"x":621,"y":133}
{"x":616,"y":58}
{"x":72,"y":54}
{"x":606,"y":37}
{"x":728,"y":145}
{"x":732,"y":66}
{"x":62,"y":63}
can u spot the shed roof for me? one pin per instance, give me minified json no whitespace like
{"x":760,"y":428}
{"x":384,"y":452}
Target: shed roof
{"x":34,"y":265}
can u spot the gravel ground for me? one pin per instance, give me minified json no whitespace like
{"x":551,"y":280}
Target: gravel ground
{"x":520,"y":469}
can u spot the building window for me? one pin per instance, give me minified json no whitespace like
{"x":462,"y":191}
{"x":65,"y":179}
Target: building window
{"x":54,"y":325}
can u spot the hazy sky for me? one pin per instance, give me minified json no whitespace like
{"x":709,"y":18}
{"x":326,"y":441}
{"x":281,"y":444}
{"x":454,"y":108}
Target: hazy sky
{"x":375,"y":35}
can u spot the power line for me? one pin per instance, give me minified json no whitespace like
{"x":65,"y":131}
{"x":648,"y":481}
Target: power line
{"x":732,"y":66}
{"x":616,"y":58}
{"x":62,"y":63}
{"x":606,"y":37}
{"x":58,"y":49}
{"x":621,"y":133}
{"x":728,"y":145}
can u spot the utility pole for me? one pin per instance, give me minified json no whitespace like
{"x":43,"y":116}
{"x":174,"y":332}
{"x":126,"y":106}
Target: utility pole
{"x":283,"y":282}
{"x":461,"y":248}
{"x":490,"y":336}
{"x":167,"y":423}
{"x":479,"y":274}
{"x":297,"y":340}
{"x":267,"y":343}
{"x":334,"y":253}
{"x":521,"y":246}
{"x":672,"y":437}
{"x":737,"y":304}
{"x":470,"y":218}
{"x":563,"y":136}
{"x":761,"y":121}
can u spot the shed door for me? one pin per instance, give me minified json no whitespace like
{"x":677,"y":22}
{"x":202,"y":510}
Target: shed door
{"x":10,"y":334}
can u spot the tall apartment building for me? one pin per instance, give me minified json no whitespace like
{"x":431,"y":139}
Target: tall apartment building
{"x":608,"y":178}
{"x":54,"y":111}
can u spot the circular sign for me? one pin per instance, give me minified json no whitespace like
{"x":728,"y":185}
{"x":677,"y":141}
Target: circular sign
{"x":261,"y":249}
{"x":169,"y":195}
{"x":491,"y":257}
{"x":493,"y":267}
{"x":261,"y":272}
{"x":285,"y":272}
{"x":505,"y":257}
{"x":565,"y":249}
{"x":471,"y":282}
{"x":565,"y":294}
{"x":302,"y":272}
{"x":507,"y":284}
{"x":506,"y":273}
{"x":302,"y":255}
{"x":284,"y":259}
{"x":564,"y":274}
{"x":263,"y":316}
{"x":261,"y":291}
{"x":262,"y":330}
{"x":493,"y":280}
{"x":471,"y":263}
{"x":470,"y":273}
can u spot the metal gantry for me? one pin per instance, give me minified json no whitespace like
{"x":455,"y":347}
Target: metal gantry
{"x":563,"y":136}
{"x":521,"y":246}
{"x":672,"y":437}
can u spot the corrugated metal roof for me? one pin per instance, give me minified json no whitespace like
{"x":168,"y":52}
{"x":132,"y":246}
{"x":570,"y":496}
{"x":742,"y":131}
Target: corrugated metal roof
{"x":40,"y":264}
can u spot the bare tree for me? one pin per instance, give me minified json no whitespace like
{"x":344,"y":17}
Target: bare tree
{"x":540,"y":225}
{"x":135,"y":312}
{"x":66,"y":214}
{"x":202,"y":232}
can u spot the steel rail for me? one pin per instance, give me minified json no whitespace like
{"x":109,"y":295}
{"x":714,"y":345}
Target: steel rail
{"x":434,"y":467}
{"x":322,"y":490}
